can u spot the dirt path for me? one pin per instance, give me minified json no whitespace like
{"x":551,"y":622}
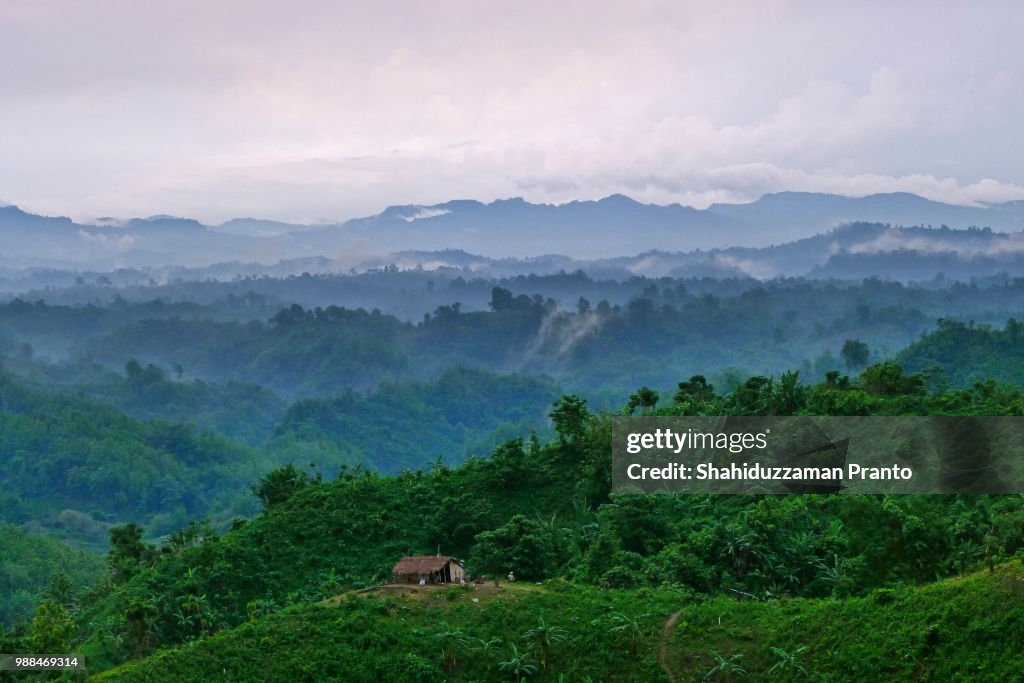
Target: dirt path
{"x":666,"y":632}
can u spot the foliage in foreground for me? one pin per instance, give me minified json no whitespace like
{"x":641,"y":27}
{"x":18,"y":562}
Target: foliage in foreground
{"x":545,"y":511}
{"x":460,"y":634}
{"x":967,"y":628}
{"x":958,"y":629}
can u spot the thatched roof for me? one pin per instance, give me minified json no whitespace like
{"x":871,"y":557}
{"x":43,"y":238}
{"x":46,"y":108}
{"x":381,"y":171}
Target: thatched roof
{"x":422,"y":565}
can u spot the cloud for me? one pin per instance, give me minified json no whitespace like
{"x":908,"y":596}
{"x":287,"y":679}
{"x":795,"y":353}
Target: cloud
{"x":756,"y":269}
{"x":119,"y":243}
{"x":322,"y":110}
{"x":982,"y":245}
{"x":424,"y":212}
{"x":747,"y":182}
{"x":558,"y":334}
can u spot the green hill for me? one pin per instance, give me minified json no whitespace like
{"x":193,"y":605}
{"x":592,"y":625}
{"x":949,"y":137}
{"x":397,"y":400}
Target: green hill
{"x":968,"y":628}
{"x":968,"y":353}
{"x":28,"y":563}
{"x":410,"y":424}
{"x":323,"y":538}
{"x":546,"y":512}
{"x":460,"y":634}
{"x":97,"y":466}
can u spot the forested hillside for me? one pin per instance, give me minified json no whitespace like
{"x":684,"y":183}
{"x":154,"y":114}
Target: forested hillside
{"x":966,"y":628}
{"x":74,"y":464}
{"x":545,"y":511}
{"x":602,"y":338}
{"x":320,"y":322}
{"x":965,"y":353}
{"x":30,"y":564}
{"x":98,"y":466}
{"x":231,"y":467}
{"x":409,"y":425}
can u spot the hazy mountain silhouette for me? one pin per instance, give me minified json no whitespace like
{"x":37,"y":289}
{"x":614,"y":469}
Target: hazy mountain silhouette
{"x":785,"y":216}
{"x":785,"y":233}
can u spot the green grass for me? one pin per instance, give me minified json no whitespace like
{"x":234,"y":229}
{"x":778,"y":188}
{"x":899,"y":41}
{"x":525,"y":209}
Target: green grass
{"x":964,"y":629}
{"x":393,"y":635}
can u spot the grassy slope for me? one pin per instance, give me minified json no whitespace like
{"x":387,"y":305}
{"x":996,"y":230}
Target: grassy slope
{"x":969,"y":628}
{"x":390,"y":635}
{"x":356,"y":527}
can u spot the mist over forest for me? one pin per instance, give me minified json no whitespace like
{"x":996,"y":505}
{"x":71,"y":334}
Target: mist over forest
{"x":320,"y":323}
{"x":192,"y":400}
{"x":898,"y":235}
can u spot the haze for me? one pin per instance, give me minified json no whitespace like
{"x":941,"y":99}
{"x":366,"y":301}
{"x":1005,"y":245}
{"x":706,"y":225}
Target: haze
{"x":320,"y":111}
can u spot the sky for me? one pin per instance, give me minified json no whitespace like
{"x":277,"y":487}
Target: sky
{"x":319,"y":111}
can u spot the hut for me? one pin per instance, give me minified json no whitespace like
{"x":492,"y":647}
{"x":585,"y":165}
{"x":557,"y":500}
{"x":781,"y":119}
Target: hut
{"x":428,"y":569}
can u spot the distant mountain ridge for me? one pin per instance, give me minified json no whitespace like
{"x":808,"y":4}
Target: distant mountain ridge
{"x":619,"y":225}
{"x":585,"y":230}
{"x":850,"y":252}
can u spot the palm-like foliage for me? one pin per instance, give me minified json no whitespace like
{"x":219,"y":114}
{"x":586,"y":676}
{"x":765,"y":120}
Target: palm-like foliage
{"x":545,"y":635}
{"x":330,"y":585}
{"x":726,"y":669}
{"x":451,"y":641}
{"x":519,"y":664}
{"x":837,"y":575}
{"x":194,"y":613}
{"x":487,"y":648}
{"x":632,"y":627}
{"x":788,"y":662}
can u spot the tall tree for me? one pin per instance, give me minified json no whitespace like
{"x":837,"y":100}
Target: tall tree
{"x":855,"y":354}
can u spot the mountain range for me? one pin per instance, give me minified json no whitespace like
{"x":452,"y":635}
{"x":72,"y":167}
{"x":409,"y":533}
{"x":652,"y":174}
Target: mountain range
{"x":734,"y":238}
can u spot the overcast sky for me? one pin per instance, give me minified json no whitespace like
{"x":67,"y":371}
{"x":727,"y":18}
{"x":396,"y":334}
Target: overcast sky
{"x":323,"y":110}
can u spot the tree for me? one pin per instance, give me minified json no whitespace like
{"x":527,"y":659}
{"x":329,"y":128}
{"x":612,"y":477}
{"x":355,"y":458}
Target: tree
{"x":278,"y":485}
{"x":61,"y":591}
{"x":523,"y":545}
{"x":599,"y":557}
{"x":789,"y":395}
{"x":501,"y":299}
{"x":139,"y":624}
{"x":255,"y":609}
{"x":571,"y":417}
{"x":194,"y":612}
{"x":855,"y":354}
{"x":487,"y":648}
{"x":127,"y":550}
{"x":888,"y":379}
{"x":632,"y":627}
{"x":52,"y":628}
{"x":545,"y":636}
{"x":133,"y":369}
{"x":756,"y":396}
{"x":451,"y":640}
{"x":519,"y":664}
{"x":694,"y":389}
{"x":643,"y":398}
